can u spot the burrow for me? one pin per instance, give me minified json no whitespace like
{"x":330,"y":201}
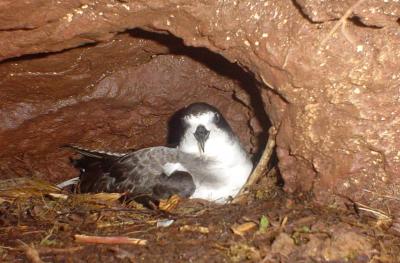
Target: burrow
{"x":117,"y":96}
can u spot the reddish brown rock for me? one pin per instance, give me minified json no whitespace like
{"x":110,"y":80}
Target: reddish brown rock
{"x":331,"y":86}
{"x":107,"y":100}
{"x":373,"y":13}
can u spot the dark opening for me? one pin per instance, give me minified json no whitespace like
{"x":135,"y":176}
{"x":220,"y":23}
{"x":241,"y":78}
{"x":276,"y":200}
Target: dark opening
{"x":119,"y":95}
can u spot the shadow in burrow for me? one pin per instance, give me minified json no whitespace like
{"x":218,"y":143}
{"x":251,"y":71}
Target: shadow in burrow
{"x":221,"y":66}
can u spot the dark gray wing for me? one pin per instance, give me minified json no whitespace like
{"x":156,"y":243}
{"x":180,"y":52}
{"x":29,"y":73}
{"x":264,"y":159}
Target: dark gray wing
{"x":139,"y":173}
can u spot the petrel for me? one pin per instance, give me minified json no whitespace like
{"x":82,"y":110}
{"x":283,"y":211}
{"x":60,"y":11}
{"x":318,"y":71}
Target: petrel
{"x":208,"y":163}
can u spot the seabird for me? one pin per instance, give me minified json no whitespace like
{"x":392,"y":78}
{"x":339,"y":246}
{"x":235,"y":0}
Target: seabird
{"x":208,"y":163}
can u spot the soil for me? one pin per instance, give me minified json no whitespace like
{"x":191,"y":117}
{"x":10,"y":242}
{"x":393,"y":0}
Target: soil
{"x":327,"y":73}
{"x":268,"y":226}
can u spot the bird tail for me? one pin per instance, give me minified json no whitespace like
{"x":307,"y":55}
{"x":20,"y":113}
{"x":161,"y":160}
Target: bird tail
{"x":97,"y":154}
{"x":93,"y":165}
{"x":72,"y":181}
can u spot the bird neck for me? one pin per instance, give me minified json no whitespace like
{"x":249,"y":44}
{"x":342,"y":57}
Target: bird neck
{"x":223,"y":151}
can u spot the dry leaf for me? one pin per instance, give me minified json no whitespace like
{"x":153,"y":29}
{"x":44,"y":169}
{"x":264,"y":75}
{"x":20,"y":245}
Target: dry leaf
{"x":97,"y":198}
{"x":192,"y":228}
{"x":243,"y":228}
{"x":108,"y":197}
{"x":58,"y":196}
{"x":25,"y":188}
{"x":170,"y":204}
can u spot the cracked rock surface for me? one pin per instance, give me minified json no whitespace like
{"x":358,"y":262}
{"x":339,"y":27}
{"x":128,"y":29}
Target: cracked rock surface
{"x":330,"y":85}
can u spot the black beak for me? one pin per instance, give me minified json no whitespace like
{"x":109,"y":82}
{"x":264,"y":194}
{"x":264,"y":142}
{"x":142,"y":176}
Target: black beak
{"x":201,"y":136}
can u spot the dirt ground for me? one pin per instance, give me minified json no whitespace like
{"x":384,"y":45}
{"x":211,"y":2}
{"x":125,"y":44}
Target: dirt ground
{"x":40,"y":224}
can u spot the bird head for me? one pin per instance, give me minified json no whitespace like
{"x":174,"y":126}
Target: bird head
{"x":206,"y":132}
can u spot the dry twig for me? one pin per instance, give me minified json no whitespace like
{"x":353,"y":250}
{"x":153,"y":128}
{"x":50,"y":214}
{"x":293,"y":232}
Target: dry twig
{"x":31,"y":253}
{"x":381,"y":216}
{"x":113,"y":240}
{"x":342,"y":22}
{"x":376,"y":212}
{"x":262,"y":164}
{"x":194,"y":228}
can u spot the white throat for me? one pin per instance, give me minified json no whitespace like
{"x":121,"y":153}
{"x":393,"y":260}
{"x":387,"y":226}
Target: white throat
{"x":227,"y":162}
{"x":230,"y":165}
{"x":219,"y":147}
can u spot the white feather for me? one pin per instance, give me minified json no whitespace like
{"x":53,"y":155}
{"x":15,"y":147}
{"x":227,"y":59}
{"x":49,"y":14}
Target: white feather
{"x":231,"y":164}
{"x":169,"y":168}
{"x":69,"y":182}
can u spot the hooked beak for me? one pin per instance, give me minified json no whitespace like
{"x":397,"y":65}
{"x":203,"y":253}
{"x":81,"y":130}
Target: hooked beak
{"x":201,"y":134}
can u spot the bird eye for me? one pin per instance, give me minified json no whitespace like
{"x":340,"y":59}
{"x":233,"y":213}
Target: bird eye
{"x":217,"y":118}
{"x":184,"y":122}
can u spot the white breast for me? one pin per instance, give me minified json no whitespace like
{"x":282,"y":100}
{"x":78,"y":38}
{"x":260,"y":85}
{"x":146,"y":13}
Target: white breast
{"x":227,"y":163}
{"x":231,"y":179}
{"x":231,"y":166}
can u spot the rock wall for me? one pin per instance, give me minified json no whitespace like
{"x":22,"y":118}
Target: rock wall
{"x":117,"y":96}
{"x":330,"y":72}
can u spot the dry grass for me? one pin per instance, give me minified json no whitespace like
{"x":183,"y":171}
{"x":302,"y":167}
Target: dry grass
{"x":40,"y":223}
